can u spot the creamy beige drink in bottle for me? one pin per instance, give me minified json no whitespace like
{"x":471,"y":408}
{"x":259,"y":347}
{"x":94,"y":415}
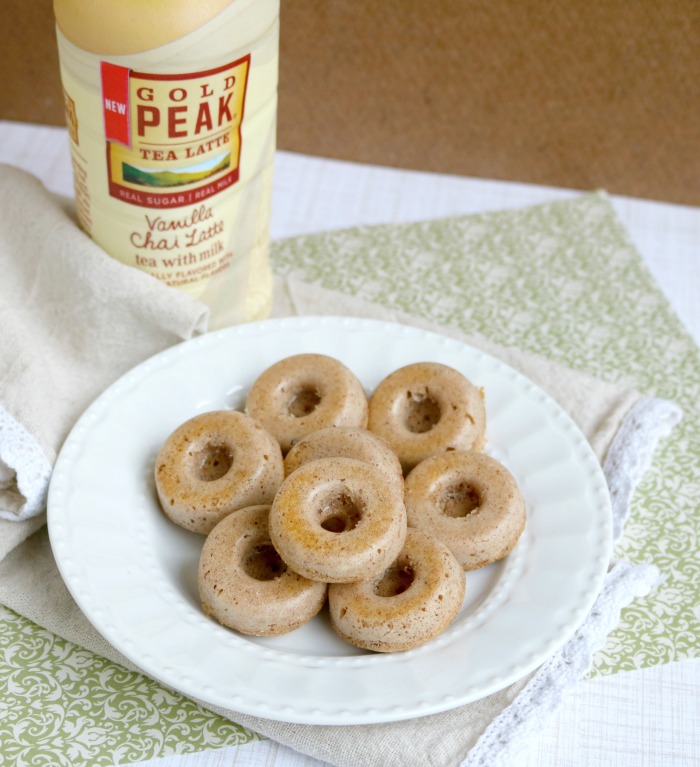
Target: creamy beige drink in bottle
{"x":171,"y":109}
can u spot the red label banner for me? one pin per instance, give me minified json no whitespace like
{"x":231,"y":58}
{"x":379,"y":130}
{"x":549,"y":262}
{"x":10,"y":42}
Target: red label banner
{"x":115,"y":102}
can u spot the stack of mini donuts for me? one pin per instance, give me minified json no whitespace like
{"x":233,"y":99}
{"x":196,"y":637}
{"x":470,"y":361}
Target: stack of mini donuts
{"x":319,"y":494}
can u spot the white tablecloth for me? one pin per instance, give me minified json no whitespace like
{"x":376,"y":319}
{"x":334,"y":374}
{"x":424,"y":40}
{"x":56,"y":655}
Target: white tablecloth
{"x":646,"y":718}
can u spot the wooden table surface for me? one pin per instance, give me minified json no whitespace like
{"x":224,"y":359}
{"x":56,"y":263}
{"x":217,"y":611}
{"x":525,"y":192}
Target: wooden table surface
{"x":594,"y":94}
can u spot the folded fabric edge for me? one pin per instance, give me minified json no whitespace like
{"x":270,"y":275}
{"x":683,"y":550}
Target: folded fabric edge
{"x":630,"y":454}
{"x":24,"y":471}
{"x":545,"y":691}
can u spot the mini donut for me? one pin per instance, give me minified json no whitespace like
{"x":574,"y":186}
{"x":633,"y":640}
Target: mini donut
{"x":411,"y":602}
{"x":214,"y":464}
{"x":337,"y":520}
{"x":304,"y":393}
{"x":427,"y":408}
{"x":245,"y":585}
{"x":468,"y":500}
{"x":351,"y":443}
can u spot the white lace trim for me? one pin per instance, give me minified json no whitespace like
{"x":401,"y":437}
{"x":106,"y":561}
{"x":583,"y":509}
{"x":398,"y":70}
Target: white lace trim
{"x":629,"y":456}
{"x":24,"y":471}
{"x":545,"y":691}
{"x":632,"y":450}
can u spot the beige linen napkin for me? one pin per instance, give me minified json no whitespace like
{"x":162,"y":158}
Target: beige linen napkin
{"x":622,"y":426}
{"x":72,"y":320}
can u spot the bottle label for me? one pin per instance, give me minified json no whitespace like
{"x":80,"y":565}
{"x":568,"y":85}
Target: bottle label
{"x":172,"y":140}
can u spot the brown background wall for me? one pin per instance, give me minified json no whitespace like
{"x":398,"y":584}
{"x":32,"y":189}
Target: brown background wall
{"x":577,"y":93}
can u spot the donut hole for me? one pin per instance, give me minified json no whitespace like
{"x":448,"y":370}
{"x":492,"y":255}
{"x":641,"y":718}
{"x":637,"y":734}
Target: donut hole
{"x":460,"y":500}
{"x":212,"y":462}
{"x":422,"y":412}
{"x":340,"y":513}
{"x":395,"y":580}
{"x":263,"y":563}
{"x":304,"y":402}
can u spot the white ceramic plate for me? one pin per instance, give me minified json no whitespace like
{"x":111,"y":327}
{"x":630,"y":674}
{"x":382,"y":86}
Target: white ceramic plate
{"x":134,"y":573}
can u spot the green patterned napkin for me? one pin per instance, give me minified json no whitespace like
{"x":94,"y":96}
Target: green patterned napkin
{"x":560,"y":280}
